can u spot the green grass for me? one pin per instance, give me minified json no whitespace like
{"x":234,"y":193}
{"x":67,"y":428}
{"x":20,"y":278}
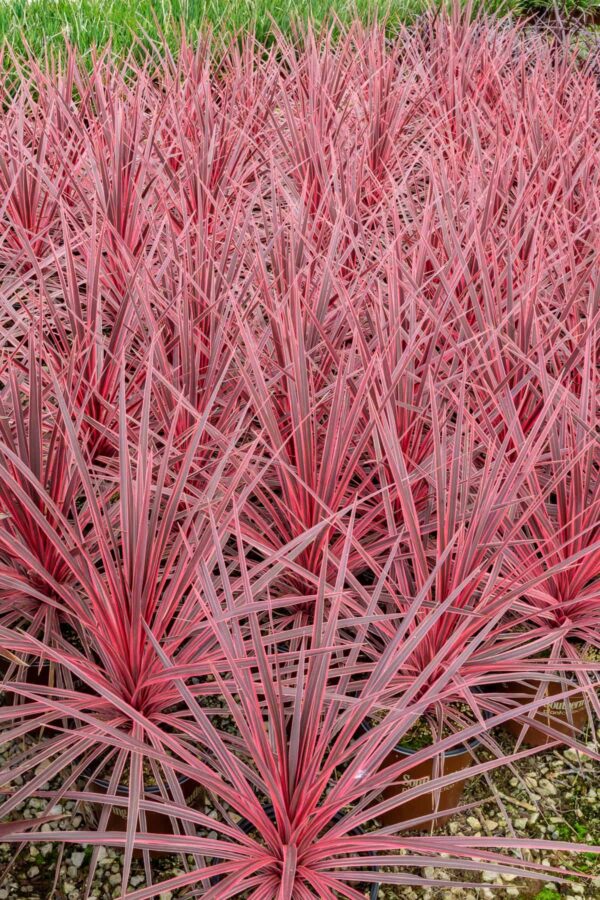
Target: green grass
{"x":89,"y":23}
{"x":92,"y":23}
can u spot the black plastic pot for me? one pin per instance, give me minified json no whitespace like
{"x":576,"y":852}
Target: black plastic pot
{"x":35,"y":676}
{"x":156,"y":822}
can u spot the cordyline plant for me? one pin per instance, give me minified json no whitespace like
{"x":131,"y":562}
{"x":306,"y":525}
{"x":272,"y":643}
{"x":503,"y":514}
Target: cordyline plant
{"x":39,"y":472}
{"x":448,"y":574}
{"x":95,"y":339}
{"x":197,"y":379}
{"x":129,"y":551}
{"x":313,"y":437}
{"x":32,"y":179}
{"x":554,"y":564}
{"x":217,"y":106}
{"x":560,"y":538}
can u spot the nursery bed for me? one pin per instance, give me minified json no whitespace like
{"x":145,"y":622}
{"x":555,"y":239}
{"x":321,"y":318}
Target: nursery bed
{"x":299,"y":367}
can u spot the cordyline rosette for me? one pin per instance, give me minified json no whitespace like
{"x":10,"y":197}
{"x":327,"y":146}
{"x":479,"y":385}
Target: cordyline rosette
{"x":197,"y":381}
{"x":446,"y":578}
{"x":559,"y":541}
{"x":312,"y":441}
{"x":38,"y":472}
{"x":94,"y":337}
{"x":132,"y":568}
{"x":84,"y":329}
{"x":33,"y":178}
{"x":218,"y":104}
{"x":117,"y":119}
{"x":308,"y":385}
{"x":126,"y":540}
{"x":554,"y":563}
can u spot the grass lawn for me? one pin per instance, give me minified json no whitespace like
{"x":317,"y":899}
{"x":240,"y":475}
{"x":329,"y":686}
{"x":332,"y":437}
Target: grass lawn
{"x":92,"y":23}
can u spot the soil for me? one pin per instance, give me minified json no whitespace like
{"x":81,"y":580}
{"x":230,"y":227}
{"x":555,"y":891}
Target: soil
{"x":427,"y":729}
{"x":149,"y":775}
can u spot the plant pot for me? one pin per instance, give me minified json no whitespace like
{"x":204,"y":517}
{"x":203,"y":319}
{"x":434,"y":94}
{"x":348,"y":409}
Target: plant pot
{"x":156,"y":822}
{"x":44,"y":676}
{"x":555,"y":715}
{"x":454,"y":760}
{"x":31,"y":674}
{"x":48,"y":676}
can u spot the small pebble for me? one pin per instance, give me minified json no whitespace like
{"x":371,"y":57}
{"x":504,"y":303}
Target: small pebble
{"x":546,"y":788}
{"x":573,"y":755}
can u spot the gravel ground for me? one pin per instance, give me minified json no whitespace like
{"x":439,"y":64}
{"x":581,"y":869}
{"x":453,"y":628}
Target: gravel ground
{"x":554,"y":795}
{"x":551,"y":796}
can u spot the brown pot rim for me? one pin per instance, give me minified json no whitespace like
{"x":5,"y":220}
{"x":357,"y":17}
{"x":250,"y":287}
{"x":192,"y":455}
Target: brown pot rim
{"x":459,"y":750}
